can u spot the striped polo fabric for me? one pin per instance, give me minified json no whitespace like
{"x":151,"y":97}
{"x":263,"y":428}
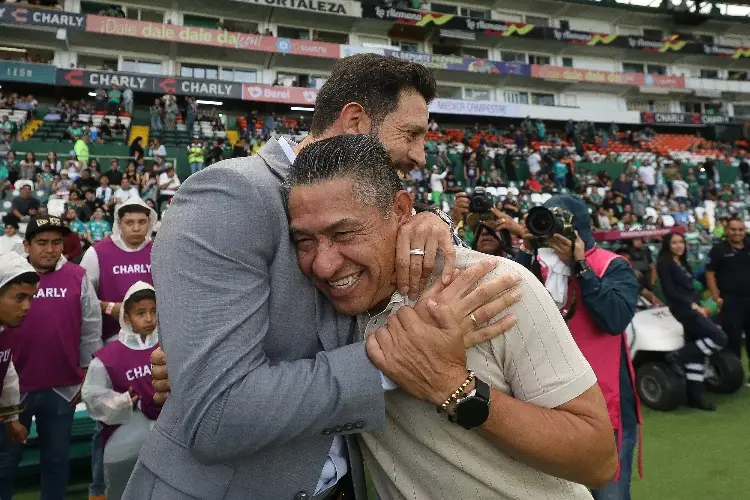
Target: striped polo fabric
{"x":420,"y":455}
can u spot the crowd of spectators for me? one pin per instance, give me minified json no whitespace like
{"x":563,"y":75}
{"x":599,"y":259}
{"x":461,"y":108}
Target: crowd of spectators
{"x":519,"y":165}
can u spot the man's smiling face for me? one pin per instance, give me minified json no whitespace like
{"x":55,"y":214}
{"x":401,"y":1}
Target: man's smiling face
{"x":346,"y":247}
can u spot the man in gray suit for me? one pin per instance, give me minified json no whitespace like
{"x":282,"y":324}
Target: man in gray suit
{"x":265,"y":382}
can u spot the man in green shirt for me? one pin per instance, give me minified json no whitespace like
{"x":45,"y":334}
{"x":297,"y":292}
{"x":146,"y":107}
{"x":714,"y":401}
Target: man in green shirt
{"x":74,"y":131}
{"x":113,"y":102}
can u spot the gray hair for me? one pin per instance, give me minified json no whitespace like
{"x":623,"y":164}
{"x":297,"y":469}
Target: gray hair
{"x":361,"y":158}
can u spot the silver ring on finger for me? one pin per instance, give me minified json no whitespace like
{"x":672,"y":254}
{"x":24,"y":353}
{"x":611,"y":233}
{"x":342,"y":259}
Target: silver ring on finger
{"x":416,"y":251}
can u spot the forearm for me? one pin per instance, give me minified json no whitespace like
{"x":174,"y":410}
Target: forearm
{"x":713,"y":287}
{"x":335,"y":388}
{"x":576,"y":447}
{"x":611,"y":300}
{"x":11,"y":391}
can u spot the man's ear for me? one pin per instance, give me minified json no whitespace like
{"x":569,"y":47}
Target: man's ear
{"x":403,"y":206}
{"x":354,"y":119}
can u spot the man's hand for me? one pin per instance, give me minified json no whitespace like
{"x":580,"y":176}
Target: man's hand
{"x":464,"y":298}
{"x":517,"y":229}
{"x":460,"y":207}
{"x":16,"y":433}
{"x":561,"y":245}
{"x":133,"y":398}
{"x":427,"y":232}
{"x":427,"y":362}
{"x":159,"y":376}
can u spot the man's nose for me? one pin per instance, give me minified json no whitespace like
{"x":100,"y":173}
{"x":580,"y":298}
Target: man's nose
{"x":417,"y":154}
{"x":327,"y":261}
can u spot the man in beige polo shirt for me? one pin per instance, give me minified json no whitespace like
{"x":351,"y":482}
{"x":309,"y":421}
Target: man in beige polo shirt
{"x":533,"y":423}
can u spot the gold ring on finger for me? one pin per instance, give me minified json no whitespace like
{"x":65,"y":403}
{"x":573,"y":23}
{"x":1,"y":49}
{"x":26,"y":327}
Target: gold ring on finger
{"x":474,"y":320}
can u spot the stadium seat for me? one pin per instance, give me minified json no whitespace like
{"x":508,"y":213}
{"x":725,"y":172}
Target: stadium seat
{"x":536,"y":198}
{"x":7,"y":205}
{"x":23,"y":182}
{"x":668,"y":220}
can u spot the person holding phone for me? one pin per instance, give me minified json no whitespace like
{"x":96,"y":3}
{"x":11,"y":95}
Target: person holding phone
{"x":18,"y":284}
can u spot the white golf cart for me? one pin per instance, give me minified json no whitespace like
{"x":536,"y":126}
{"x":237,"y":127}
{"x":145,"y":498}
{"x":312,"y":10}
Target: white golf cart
{"x":653,"y":333}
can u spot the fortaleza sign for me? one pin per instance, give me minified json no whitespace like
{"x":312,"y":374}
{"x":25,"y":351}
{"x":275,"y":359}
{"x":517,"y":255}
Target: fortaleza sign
{"x":31,"y":16}
{"x":146,"y":83}
{"x":683,"y":119}
{"x":284,"y":95}
{"x":474,"y":108}
{"x":209,"y":37}
{"x":337,"y":7}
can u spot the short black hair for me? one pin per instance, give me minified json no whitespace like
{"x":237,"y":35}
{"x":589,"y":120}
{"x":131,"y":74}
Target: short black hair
{"x":736,"y":218}
{"x":133,"y":209}
{"x":372,"y":80}
{"x":356,"y":156}
{"x":29,"y":278}
{"x":145,"y":294}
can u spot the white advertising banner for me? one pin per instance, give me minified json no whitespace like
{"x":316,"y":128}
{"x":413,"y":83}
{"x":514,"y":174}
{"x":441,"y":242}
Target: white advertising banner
{"x":474,"y":108}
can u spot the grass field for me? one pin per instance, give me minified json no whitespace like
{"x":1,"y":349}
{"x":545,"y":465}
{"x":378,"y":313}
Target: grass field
{"x":688,"y":455}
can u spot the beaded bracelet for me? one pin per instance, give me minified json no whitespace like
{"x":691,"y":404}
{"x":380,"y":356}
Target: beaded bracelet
{"x":460,"y":392}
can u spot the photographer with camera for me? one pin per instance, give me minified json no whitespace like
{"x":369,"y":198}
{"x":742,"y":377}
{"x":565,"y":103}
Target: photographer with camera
{"x":484,"y":220}
{"x":597,"y":292}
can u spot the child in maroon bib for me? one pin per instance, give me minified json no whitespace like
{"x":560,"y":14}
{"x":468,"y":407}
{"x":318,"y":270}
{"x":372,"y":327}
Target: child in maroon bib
{"x":117,"y":390}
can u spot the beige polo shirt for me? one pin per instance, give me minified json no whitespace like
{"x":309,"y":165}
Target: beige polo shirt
{"x":420,"y":455}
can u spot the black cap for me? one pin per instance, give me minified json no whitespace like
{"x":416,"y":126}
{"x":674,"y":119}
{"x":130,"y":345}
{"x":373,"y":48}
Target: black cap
{"x":46,"y":223}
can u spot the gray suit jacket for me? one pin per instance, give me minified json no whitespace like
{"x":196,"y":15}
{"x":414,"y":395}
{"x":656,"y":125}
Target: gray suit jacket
{"x":261,"y":375}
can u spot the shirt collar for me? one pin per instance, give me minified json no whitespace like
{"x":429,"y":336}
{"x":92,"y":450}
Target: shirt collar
{"x":397,"y":300}
{"x":134,"y":341}
{"x":287,"y":148}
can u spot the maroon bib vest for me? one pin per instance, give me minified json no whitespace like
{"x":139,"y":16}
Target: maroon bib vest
{"x":127,"y":368}
{"x":46,"y":345}
{"x":5,"y":355}
{"x":118,"y":271}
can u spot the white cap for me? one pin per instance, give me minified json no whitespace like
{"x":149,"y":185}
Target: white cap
{"x":12,"y":265}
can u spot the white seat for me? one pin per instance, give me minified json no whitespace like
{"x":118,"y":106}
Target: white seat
{"x":56,"y":207}
{"x":668,"y":220}
{"x":536,"y":198}
{"x":502,"y":191}
{"x":23,"y":182}
{"x":651,"y":212}
{"x":7,"y":205}
{"x":83,"y":118}
{"x":513,"y":190}
{"x":492,"y":191}
{"x":546,"y":197}
{"x":22,"y":227}
{"x":601,"y":191}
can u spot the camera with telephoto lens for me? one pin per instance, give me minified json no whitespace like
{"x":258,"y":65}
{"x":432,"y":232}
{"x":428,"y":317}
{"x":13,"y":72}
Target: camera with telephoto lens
{"x":543,"y":223}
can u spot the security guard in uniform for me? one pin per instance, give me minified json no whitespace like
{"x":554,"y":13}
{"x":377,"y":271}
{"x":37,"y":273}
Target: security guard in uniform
{"x":196,"y":155}
{"x":728,"y":279}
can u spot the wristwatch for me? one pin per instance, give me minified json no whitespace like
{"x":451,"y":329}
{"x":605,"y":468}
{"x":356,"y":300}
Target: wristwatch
{"x":473,"y":410}
{"x":581,"y":267}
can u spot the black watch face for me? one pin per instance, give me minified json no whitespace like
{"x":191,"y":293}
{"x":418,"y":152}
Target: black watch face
{"x":472,"y":412}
